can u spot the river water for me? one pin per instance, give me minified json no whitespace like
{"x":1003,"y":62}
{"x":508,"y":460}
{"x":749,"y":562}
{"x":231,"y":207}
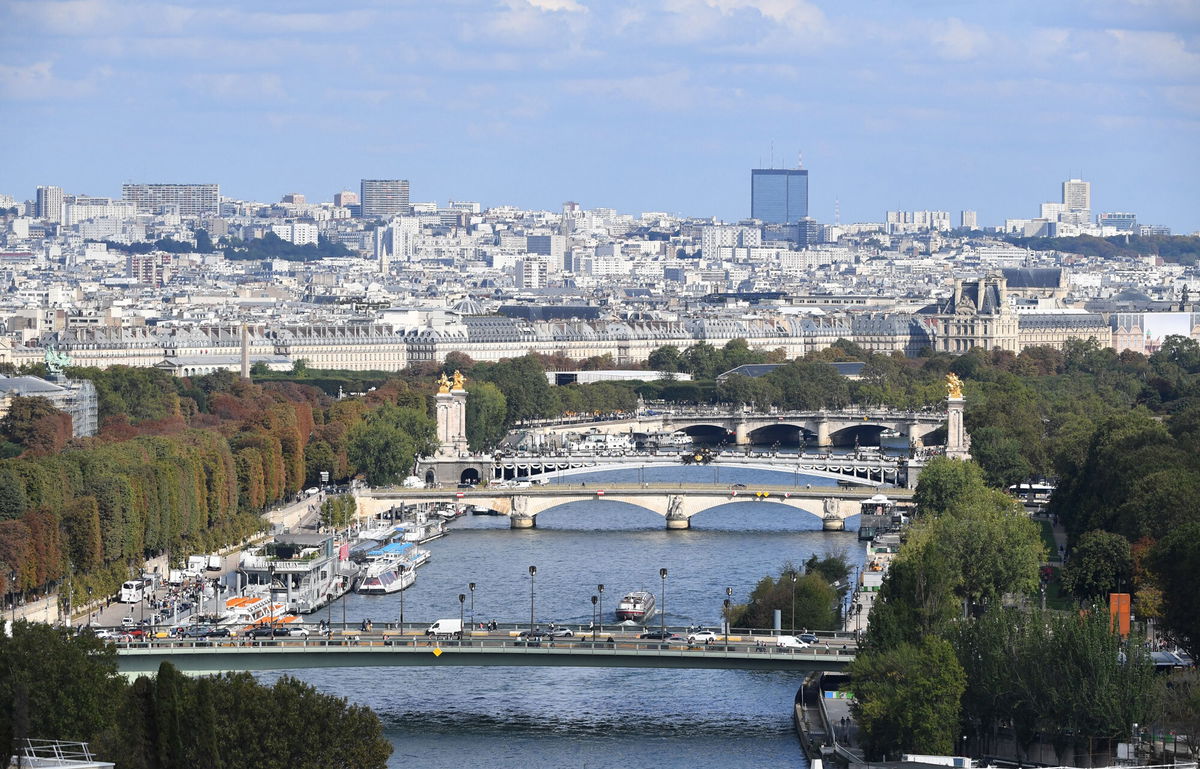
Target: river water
{"x":590,"y":717}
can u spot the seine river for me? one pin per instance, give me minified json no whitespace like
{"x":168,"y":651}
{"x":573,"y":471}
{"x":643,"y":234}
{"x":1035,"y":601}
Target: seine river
{"x":589,"y":717}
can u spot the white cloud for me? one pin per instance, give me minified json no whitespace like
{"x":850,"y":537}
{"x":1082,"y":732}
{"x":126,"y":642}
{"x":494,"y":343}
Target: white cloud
{"x":37,"y":81}
{"x":558,"y":5}
{"x":958,"y":41}
{"x":239,"y":86}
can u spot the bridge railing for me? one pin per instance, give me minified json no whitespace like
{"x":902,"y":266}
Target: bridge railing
{"x":389,"y":642}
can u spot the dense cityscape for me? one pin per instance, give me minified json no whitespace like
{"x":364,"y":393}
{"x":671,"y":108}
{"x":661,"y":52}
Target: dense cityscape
{"x":672,"y":383}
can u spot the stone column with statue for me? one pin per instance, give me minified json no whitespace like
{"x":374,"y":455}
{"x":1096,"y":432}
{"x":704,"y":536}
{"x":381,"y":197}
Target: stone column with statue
{"x":451,"y":411}
{"x":958,"y":443}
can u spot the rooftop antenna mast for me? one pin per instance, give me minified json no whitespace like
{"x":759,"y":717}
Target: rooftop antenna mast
{"x":772,"y":153}
{"x":799,"y":160}
{"x":837,"y":212}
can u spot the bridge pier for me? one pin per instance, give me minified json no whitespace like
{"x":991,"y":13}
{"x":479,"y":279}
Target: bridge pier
{"x":679,"y":524}
{"x":823,"y":439}
{"x":741,"y":432}
{"x":522,"y":522}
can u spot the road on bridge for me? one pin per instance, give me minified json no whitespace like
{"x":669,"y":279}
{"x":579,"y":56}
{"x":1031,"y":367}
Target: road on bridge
{"x":353,"y":647}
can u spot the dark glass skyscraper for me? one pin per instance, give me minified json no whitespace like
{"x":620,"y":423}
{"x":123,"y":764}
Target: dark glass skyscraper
{"x":779,"y":195}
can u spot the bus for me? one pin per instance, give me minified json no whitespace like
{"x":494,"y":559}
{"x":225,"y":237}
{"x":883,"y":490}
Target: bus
{"x":132,"y":591}
{"x":1032,"y":493}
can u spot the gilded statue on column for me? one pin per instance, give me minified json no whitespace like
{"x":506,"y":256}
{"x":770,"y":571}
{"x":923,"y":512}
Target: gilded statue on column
{"x":459,"y":380}
{"x":954,"y":387}
{"x":443,"y":384}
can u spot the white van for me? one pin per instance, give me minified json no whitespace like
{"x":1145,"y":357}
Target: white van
{"x":215,"y":563}
{"x":790,"y":642}
{"x":445,"y":628}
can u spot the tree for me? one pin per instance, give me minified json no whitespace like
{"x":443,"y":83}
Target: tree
{"x":55,"y":683}
{"x":702,"y":361}
{"x":36,"y":424}
{"x":204,"y":244}
{"x":338,"y":511}
{"x":993,"y":544}
{"x":944,"y":482}
{"x":917,"y":598}
{"x":1100,"y":564}
{"x":1176,"y":561}
{"x":907,"y":699}
{"x":1000,"y":456}
{"x":524,"y":385}
{"x":665,"y":358}
{"x":806,"y":601}
{"x":487,"y":409}
{"x":385,"y":444}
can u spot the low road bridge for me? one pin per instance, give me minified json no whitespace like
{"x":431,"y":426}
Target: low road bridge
{"x":677,"y":503}
{"x":395,"y":650}
{"x":863,"y":468}
{"x":746,"y":427}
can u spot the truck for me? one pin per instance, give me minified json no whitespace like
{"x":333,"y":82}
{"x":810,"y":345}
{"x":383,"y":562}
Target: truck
{"x":215,"y":563}
{"x":176,"y":577}
{"x":445,"y":628}
{"x":196,"y":564}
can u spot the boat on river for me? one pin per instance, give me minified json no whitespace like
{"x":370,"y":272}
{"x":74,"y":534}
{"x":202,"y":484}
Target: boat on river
{"x":637,"y":606}
{"x":385,"y":575}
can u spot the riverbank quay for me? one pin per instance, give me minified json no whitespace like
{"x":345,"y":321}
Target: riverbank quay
{"x":106,"y":611}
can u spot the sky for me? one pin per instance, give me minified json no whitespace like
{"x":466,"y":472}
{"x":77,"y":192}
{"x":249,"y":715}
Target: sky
{"x":638,"y":105}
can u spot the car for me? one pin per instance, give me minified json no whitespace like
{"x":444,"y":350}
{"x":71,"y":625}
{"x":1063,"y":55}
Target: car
{"x":660,"y":635}
{"x":702,"y":637}
{"x":264,"y":631}
{"x":295,"y":631}
{"x":562,"y":632}
{"x":128,"y":622}
{"x":738,"y":486}
{"x":808,"y":638}
{"x":789,"y":642}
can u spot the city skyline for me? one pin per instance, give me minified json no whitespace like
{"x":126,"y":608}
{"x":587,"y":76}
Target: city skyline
{"x":661,"y":106}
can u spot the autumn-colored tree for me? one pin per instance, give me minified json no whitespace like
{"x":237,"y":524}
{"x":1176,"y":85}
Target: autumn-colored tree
{"x":37,"y":425}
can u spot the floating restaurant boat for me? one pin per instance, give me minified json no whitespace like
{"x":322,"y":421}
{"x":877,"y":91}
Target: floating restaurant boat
{"x":302,"y":571}
{"x":637,"y":606}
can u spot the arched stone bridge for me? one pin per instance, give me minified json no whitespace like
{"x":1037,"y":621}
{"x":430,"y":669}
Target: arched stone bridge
{"x":742,"y":425}
{"x":675,"y":502}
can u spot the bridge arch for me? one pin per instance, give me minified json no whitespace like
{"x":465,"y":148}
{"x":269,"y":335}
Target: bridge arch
{"x":808,"y":514}
{"x":727,"y":470}
{"x":707,"y":433}
{"x":867,"y":434}
{"x":787,"y":434}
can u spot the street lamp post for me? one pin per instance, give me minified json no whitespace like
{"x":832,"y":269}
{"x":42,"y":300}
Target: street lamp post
{"x":532,"y":575}
{"x":12,"y":593}
{"x":89,"y":609}
{"x":594,"y":599}
{"x":792,"y":574}
{"x":471,"y":587}
{"x":662,"y":573}
{"x":462,"y":599}
{"x":271,"y":591}
{"x":401,"y":611}
{"x":726,"y":624}
{"x":600,"y":611}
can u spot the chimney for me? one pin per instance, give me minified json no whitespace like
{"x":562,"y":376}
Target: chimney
{"x":245,"y":353}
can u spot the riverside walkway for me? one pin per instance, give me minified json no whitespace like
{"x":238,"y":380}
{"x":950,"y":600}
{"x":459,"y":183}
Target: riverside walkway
{"x":393,"y":648}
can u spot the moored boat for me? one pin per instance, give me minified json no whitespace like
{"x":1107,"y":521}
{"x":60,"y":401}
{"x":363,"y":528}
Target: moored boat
{"x":386,"y":575}
{"x":637,"y":606}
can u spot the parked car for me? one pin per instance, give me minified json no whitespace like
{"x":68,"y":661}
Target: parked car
{"x":702,"y":637}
